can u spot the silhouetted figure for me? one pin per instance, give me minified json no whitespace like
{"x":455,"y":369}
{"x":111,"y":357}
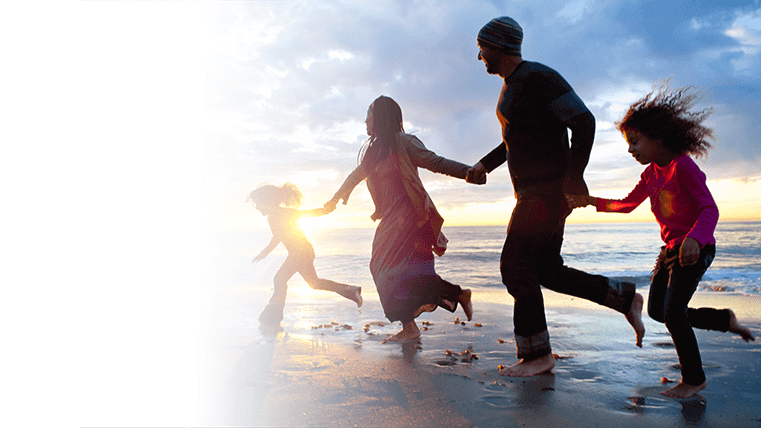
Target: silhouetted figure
{"x":278,"y":205}
{"x":409,"y":232}
{"x":536,"y":108}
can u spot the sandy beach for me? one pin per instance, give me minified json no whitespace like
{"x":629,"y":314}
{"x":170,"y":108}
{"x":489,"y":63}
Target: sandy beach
{"x":328,"y":366}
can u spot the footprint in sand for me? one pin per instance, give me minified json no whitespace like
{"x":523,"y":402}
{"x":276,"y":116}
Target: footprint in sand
{"x":498,"y":401}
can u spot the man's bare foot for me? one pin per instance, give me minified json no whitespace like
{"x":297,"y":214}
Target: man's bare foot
{"x":410,"y":331}
{"x":737,"y":328}
{"x":683,"y":390}
{"x":528,"y":368}
{"x":467,"y":306}
{"x":635,"y":317}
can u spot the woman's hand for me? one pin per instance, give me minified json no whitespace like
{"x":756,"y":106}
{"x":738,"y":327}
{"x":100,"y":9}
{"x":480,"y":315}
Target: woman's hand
{"x":331,"y":205}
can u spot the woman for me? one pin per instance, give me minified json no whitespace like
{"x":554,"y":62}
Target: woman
{"x":409,"y":232}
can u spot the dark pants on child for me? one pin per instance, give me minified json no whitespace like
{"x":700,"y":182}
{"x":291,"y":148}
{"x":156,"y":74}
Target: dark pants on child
{"x":531,"y":259}
{"x":671,"y":289}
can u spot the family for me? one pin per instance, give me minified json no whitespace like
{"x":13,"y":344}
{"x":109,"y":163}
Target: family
{"x":536,"y":108}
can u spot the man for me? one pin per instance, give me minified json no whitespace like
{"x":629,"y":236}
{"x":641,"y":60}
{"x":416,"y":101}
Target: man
{"x":536,"y":108}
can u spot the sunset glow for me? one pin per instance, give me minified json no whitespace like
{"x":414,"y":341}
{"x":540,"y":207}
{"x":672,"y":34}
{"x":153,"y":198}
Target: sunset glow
{"x":134,"y":130}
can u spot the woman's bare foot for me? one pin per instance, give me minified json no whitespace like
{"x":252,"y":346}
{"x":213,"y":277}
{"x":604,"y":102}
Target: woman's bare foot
{"x":358,"y":296}
{"x":737,"y":328}
{"x":410,"y":331}
{"x":683,"y":390}
{"x":528,"y":368}
{"x":635,"y":317}
{"x":467,"y":306}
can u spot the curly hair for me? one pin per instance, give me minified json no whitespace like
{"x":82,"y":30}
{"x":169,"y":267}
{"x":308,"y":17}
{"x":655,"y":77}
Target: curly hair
{"x":287,"y":195}
{"x":384,"y":136}
{"x":664,"y":116}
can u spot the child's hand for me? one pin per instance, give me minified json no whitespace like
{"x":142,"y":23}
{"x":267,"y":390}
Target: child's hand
{"x":259,"y":257}
{"x":689,"y":252}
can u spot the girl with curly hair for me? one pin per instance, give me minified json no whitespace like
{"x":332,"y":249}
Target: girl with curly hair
{"x":662,"y":133}
{"x":279,"y":204}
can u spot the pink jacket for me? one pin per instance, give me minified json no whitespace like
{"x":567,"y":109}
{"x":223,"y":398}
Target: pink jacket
{"x":679,"y":199}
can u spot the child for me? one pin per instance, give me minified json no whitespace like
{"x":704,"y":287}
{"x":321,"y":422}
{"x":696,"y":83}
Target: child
{"x":662,"y":133}
{"x":277,"y":203}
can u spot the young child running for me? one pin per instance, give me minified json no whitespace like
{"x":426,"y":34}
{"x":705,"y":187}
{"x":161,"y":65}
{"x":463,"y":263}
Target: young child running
{"x":662,"y":133}
{"x":279,"y":204}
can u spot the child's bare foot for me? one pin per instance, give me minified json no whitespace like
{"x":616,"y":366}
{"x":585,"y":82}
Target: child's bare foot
{"x":528,"y":368}
{"x":467,"y":306}
{"x":410,"y":331}
{"x":272,"y":314}
{"x":683,"y":390}
{"x":358,"y":296}
{"x":737,"y":328}
{"x":635,"y":317}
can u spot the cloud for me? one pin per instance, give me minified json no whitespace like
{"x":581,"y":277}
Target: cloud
{"x":293,"y":80}
{"x":746,"y":30}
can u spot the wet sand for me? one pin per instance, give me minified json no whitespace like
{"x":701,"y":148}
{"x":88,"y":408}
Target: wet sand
{"x":327,"y":365}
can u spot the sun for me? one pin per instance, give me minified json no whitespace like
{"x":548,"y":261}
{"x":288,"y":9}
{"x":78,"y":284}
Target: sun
{"x":313,"y":226}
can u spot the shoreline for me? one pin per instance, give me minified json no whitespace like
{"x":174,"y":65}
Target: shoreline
{"x":328,"y":366}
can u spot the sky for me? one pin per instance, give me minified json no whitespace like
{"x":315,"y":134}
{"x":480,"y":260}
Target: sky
{"x":291,"y":82}
{"x":127,"y":127}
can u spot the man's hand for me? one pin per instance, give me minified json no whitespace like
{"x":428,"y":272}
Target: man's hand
{"x":579,"y":201}
{"x":575,"y":186}
{"x":476,"y":174}
{"x":689,"y":252}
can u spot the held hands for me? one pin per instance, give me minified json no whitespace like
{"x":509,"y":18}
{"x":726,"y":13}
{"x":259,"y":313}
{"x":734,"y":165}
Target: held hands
{"x":689,"y":252}
{"x":577,"y":193}
{"x":330,"y":206}
{"x":575,"y":185}
{"x":579,"y":201}
{"x":476,"y":174}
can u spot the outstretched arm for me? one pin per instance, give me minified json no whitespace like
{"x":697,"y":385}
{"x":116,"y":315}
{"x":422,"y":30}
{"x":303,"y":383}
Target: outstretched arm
{"x":346,"y":188}
{"x":268,"y":249}
{"x":626,"y":205}
{"x":425,"y":158}
{"x":477,"y":173}
{"x":316,"y":212}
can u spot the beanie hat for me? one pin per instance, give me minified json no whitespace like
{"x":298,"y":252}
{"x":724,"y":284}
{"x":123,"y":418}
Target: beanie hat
{"x":502,"y":33}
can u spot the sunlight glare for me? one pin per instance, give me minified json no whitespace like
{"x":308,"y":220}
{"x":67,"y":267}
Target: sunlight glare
{"x":312,"y":226}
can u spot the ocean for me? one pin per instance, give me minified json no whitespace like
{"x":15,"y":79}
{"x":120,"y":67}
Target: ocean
{"x":619,"y":250}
